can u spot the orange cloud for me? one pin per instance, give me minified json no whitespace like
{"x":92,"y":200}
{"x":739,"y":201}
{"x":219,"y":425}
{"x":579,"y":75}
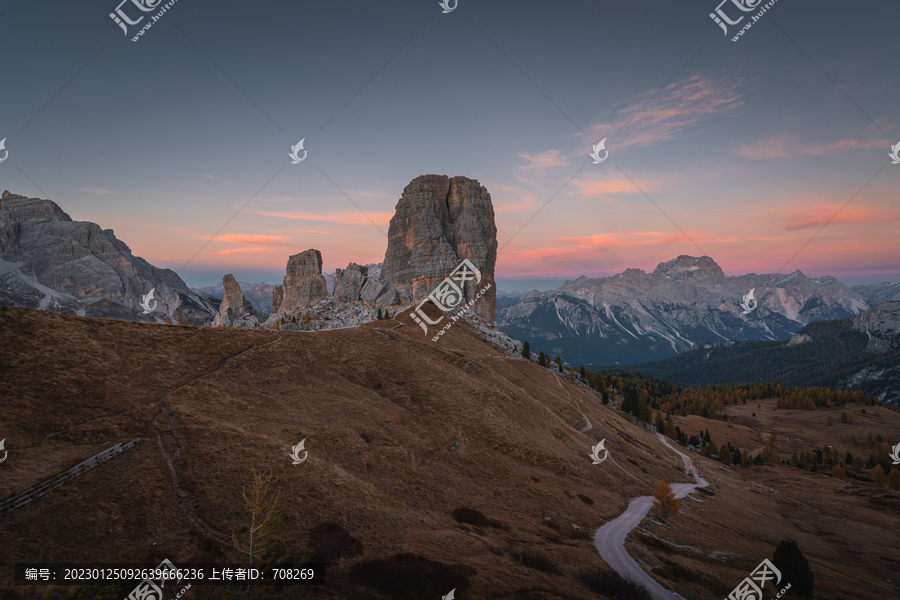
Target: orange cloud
{"x":252,"y":250}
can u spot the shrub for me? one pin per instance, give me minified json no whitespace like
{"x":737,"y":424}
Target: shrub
{"x":610,"y":583}
{"x":331,"y":541}
{"x":470,"y":516}
{"x":534,"y":560}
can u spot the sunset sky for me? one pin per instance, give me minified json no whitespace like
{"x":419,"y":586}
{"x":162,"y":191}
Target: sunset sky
{"x":745,"y":149}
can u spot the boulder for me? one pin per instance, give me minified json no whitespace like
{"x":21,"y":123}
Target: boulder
{"x":439,"y":221}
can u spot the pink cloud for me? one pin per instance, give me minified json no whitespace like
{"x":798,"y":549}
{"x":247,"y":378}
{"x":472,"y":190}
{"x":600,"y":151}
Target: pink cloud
{"x":787,"y":146}
{"x":543,"y":160}
{"x":344,"y":218}
{"x":272,"y":240}
{"x":677,"y":108}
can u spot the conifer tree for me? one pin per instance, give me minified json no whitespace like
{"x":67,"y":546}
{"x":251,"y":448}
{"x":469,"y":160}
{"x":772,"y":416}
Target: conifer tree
{"x":893,"y":480}
{"x":558,"y":361}
{"x":265,"y":540}
{"x":664,"y":499}
{"x":378,"y":315}
{"x":180,"y":320}
{"x":878,"y":475}
{"x":583,"y":373}
{"x":542,"y":360}
{"x":794,"y":568}
{"x":526,"y":350}
{"x":838,"y":473}
{"x":605,"y":397}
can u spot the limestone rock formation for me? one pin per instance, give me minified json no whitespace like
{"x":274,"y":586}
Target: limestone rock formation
{"x":50,"y":262}
{"x":440,"y":221}
{"x":303,"y":282}
{"x":236,"y":310}
{"x":348,"y":283}
{"x":882,"y":324}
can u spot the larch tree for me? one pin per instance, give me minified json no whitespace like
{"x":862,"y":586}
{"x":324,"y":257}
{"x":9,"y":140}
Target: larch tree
{"x":664,"y":499}
{"x":878,"y":475}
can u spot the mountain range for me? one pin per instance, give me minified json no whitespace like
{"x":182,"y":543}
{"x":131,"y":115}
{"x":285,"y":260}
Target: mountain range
{"x":635,"y":317}
{"x":860,"y":353}
{"x":50,"y":262}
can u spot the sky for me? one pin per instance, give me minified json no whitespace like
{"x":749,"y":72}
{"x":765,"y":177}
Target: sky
{"x":768,"y":154}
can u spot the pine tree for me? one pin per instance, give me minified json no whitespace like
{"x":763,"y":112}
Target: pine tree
{"x":277,"y":325}
{"x":266,"y":539}
{"x":542,"y":360}
{"x":180,"y":320}
{"x":795,"y":460}
{"x":583,"y":373}
{"x":736,"y":457}
{"x":526,"y":350}
{"x":705,"y":413}
{"x":558,"y":361}
{"x":843,"y":417}
{"x":878,"y":475}
{"x":893,"y":480}
{"x":794,"y":568}
{"x":664,"y":499}
{"x":378,"y":315}
{"x":838,"y":473}
{"x":605,"y":397}
{"x":387,"y":314}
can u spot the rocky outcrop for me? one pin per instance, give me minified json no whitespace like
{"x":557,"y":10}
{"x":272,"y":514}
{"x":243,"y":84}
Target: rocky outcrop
{"x":882,"y":325}
{"x":236,"y":310}
{"x":348,"y":283}
{"x":303,"y":282}
{"x":797,"y":339}
{"x":259,"y":294}
{"x":440,"y":221}
{"x":50,"y":262}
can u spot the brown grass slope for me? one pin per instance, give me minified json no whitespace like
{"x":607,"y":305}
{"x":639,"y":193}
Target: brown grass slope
{"x":380,"y":407}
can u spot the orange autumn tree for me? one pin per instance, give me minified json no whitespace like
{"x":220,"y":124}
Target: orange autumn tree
{"x":664,"y":499}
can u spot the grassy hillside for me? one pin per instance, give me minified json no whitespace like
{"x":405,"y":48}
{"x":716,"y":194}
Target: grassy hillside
{"x":429,"y":463}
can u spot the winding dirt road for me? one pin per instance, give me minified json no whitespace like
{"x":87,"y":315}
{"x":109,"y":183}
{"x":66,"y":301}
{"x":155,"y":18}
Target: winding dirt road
{"x":610,"y":539}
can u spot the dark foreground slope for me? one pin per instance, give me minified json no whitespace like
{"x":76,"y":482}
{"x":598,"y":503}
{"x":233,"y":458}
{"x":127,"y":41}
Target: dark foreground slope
{"x":401,"y":432}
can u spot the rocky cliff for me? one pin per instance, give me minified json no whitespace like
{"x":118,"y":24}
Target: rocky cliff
{"x":440,"y":221}
{"x":236,"y":310}
{"x":882,"y":325}
{"x":303,"y":282}
{"x":50,"y":262}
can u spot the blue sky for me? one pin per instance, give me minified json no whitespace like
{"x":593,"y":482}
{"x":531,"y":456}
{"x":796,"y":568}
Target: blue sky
{"x":738,"y":150}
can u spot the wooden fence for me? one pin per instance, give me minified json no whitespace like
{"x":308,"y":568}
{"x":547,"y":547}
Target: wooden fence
{"x":66,"y":476}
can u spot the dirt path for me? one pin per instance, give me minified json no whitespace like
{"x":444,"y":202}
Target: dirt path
{"x":610,"y":539}
{"x":185,"y":499}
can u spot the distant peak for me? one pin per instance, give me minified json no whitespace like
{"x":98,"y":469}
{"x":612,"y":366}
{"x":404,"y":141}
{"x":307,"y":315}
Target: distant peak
{"x":689,"y":266}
